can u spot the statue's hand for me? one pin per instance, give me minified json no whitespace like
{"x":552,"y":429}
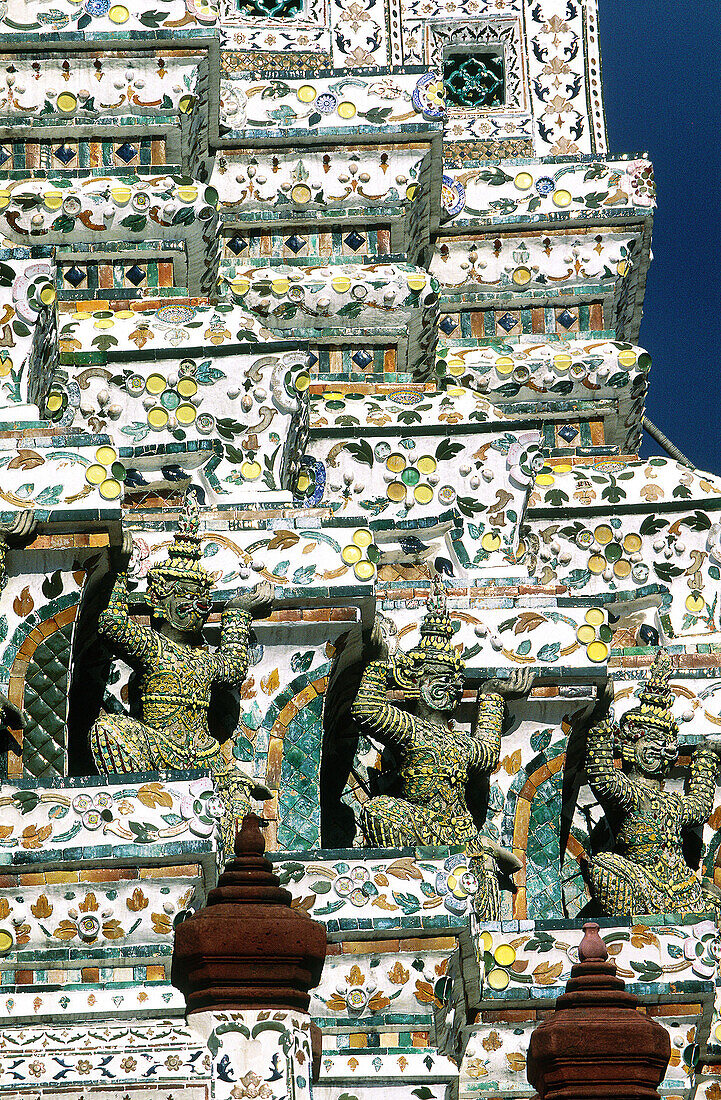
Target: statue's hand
{"x":121,"y":554}
{"x":376,"y":648}
{"x":21,"y":529}
{"x":596,"y":711}
{"x":258,"y":601}
{"x":11,"y":717}
{"x":517,"y":686}
{"x":713,"y":741}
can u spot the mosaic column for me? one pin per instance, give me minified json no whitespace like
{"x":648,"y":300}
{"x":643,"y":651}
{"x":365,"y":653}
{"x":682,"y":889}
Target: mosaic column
{"x":245,"y":965}
{"x":596,"y":1044}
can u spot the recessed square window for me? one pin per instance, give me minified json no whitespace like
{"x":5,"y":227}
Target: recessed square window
{"x":273,"y":9}
{"x":474,"y":78}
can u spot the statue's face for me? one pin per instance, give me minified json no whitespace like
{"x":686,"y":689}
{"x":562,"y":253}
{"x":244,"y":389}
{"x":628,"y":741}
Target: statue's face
{"x":186,"y":607}
{"x":441,"y":687}
{"x":655,"y":752}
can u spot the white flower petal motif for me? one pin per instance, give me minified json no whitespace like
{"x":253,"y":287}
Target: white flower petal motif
{"x":713,"y":543}
{"x":701,"y":949}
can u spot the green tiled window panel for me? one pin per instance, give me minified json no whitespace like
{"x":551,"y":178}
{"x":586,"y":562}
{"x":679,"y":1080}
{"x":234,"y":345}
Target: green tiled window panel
{"x":543,"y":887}
{"x":474,"y":79}
{"x":299,"y":813}
{"x":273,"y":9}
{"x":46,"y":684}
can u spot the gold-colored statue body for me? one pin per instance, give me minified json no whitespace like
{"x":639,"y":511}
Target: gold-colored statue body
{"x":435,"y":762}
{"x":647,"y":873}
{"x":435,"y":765}
{"x":177,"y":672}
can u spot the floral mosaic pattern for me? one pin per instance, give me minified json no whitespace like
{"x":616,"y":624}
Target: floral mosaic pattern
{"x":545,"y":188}
{"x":119,"y":1053}
{"x":260,"y":252}
{"x":410,"y":984}
{"x":442,"y":887}
{"x":90,"y":919}
{"x":145,"y":814}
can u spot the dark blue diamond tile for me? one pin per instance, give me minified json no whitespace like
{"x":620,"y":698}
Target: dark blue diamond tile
{"x":237,"y":245}
{"x":75,"y":276}
{"x":568,"y":432}
{"x":566,"y":319}
{"x":362,"y":358}
{"x":64,"y":153}
{"x":4,"y":155}
{"x":354,"y":239}
{"x":448,"y":325}
{"x":508,"y":321}
{"x":296,"y":244}
{"x":135,"y":275}
{"x":127,"y":152}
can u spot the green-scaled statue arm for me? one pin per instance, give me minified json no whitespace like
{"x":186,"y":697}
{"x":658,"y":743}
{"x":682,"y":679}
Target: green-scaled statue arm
{"x":232,"y":657}
{"x":379,"y":718}
{"x":127,"y":638}
{"x":487,"y":733}
{"x":607,"y":782}
{"x":699,"y":798}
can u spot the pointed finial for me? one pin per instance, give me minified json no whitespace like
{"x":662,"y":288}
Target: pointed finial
{"x":437,"y":630}
{"x":185,"y":555}
{"x":657,"y":698}
{"x":249,"y":840}
{"x":592,"y":948}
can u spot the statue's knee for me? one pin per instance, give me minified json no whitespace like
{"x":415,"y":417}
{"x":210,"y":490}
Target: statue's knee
{"x":609,"y":864}
{"x":387,"y":821}
{"x":615,"y":884}
{"x":384,"y":808}
{"x":599,"y":862}
{"x":369,"y":813}
{"x":105,"y":727}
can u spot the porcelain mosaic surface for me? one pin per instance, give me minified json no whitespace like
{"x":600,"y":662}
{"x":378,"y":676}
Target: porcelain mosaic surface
{"x":321,"y":403}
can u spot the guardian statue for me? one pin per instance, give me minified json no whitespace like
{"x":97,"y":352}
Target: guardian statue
{"x":177,"y":672}
{"x":647,"y":872}
{"x":436,"y":763}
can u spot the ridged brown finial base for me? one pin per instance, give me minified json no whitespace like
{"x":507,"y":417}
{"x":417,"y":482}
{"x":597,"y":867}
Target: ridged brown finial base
{"x":248,"y":949}
{"x":596,"y":1044}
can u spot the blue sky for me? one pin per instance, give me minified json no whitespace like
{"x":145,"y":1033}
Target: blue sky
{"x":662,"y":82}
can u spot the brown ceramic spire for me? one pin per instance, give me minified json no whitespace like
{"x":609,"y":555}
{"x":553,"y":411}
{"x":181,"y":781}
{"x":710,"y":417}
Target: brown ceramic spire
{"x":247,"y":949}
{"x":596,"y":1044}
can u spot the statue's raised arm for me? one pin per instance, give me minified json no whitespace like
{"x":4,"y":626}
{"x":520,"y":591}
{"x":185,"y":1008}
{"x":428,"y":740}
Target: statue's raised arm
{"x":371,"y":709}
{"x":489,"y":716}
{"x":131,"y":640}
{"x":610,"y":785}
{"x":235,"y":623}
{"x":18,"y":532}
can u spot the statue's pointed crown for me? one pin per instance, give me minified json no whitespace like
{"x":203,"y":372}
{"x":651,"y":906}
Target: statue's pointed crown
{"x":437,"y":630}
{"x":656,"y":698}
{"x":185,"y":555}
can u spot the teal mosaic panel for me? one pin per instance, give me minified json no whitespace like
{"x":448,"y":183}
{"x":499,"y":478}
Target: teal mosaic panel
{"x":299,"y":804}
{"x":69,"y":155}
{"x":553,"y":321}
{"x":73,"y":278}
{"x":273,"y":9}
{"x":301,"y":244}
{"x":369,"y":359}
{"x":543,"y":857}
{"x":299,"y":809}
